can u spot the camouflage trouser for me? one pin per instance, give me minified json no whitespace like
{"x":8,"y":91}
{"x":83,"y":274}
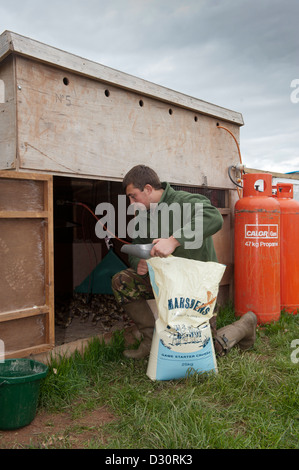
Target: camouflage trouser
{"x":128,"y":286}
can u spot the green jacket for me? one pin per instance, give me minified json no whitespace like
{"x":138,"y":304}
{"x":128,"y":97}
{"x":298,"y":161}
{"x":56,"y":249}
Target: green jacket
{"x":210,"y":221}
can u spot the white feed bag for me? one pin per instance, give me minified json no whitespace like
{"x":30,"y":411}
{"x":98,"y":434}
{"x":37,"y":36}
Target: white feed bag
{"x":185,"y":292}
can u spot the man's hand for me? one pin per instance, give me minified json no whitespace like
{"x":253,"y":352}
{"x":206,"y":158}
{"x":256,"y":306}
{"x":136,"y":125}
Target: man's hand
{"x":163,"y":247}
{"x":142,"y":267}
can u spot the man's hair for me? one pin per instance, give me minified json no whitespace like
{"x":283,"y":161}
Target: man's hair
{"x":139,"y":176}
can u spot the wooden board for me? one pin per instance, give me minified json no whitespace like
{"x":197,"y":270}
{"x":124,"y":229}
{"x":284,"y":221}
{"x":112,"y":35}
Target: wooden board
{"x":26,"y":258}
{"x":11,"y":42}
{"x":72,"y":125}
{"x":223,"y":242}
{"x":8,"y":132}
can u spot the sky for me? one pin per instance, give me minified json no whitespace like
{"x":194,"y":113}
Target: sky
{"x":238,"y":54}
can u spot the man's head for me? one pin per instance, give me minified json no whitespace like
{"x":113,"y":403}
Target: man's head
{"x":142,"y":185}
{"x":139,"y":176}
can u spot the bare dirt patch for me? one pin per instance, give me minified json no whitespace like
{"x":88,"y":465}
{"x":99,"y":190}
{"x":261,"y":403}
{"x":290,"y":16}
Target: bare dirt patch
{"x":60,"y":430}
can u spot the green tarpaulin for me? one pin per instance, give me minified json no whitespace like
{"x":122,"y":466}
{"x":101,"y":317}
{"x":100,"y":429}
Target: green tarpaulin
{"x":99,"y":280}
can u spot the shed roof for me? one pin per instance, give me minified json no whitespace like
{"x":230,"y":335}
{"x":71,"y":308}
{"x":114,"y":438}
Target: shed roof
{"x":13,"y":43}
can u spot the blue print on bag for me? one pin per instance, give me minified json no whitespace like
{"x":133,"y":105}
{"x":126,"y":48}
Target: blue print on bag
{"x":175,"y":365}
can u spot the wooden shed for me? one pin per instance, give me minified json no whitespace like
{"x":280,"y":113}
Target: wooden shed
{"x":70,"y":129}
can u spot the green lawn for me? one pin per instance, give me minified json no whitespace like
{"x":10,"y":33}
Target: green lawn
{"x":252,"y":403}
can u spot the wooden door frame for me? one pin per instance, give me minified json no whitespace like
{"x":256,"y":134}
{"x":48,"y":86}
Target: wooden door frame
{"x":48,"y":308}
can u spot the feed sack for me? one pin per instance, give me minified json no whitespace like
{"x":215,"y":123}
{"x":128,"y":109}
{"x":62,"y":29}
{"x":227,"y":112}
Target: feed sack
{"x":185,"y":292}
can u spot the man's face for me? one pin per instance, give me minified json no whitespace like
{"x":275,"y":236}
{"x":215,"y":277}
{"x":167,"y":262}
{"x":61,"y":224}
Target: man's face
{"x":136,"y":196}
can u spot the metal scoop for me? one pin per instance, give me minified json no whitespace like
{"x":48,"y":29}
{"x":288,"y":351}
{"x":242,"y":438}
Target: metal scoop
{"x":141,"y":251}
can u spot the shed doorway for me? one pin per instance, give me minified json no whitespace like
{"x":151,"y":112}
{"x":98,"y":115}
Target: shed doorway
{"x":83,"y":263}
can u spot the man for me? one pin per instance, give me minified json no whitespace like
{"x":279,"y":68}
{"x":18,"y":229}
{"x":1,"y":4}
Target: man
{"x":132,"y":286}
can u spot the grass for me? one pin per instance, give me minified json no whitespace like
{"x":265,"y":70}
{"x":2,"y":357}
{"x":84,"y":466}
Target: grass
{"x":252,"y":403}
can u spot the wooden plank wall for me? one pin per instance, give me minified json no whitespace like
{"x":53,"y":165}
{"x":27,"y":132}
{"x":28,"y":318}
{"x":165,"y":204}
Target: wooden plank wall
{"x":8,"y":132}
{"x":73,"y":125}
{"x":26,"y":260}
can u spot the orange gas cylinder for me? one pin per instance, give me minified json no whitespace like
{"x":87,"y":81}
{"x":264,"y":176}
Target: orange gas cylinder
{"x":257,"y":250}
{"x":289,"y":248}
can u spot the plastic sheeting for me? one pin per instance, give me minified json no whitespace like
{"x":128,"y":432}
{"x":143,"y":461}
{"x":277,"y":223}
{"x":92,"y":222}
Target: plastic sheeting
{"x":99,"y":280}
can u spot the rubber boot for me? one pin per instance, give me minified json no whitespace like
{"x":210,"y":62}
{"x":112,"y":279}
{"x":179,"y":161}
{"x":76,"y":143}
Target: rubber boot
{"x":242,"y":332}
{"x":141,"y":314}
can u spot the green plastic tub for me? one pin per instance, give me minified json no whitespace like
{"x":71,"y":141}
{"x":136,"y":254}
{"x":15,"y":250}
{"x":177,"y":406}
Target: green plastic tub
{"x":19,"y":391}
